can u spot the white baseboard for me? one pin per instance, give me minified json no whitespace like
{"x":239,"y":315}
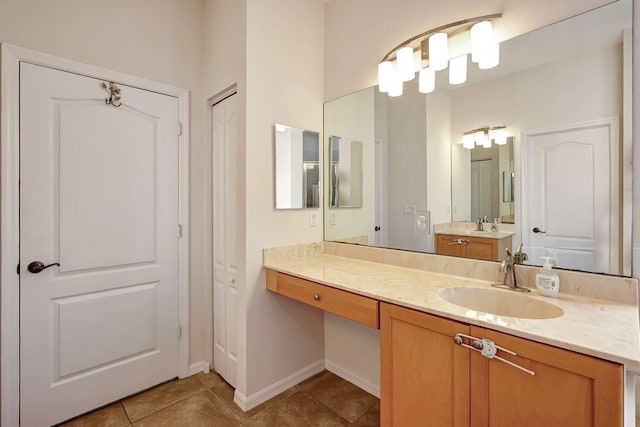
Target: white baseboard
{"x":198,"y":367}
{"x":248,"y":403}
{"x":354,"y":379}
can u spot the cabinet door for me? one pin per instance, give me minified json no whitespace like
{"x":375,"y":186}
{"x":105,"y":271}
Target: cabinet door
{"x":568,"y":389}
{"x":482,"y":248}
{"x":446,"y":245}
{"x":424,"y":375}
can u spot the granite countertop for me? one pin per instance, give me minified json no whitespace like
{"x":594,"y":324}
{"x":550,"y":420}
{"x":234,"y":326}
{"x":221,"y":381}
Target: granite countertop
{"x":605,"y":329}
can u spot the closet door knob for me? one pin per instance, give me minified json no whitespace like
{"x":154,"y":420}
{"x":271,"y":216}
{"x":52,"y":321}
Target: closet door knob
{"x":316,"y":297}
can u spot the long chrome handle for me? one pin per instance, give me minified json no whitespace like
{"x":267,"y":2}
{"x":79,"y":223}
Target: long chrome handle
{"x":488,"y":349}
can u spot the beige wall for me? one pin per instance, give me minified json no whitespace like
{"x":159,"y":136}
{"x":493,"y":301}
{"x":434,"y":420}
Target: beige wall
{"x":156,"y":39}
{"x":284,"y":75}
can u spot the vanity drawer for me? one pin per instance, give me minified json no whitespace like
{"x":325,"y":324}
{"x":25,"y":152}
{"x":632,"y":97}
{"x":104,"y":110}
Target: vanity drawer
{"x":346,"y":304}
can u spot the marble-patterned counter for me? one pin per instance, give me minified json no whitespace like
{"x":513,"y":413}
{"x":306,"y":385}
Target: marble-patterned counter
{"x":607,"y":328}
{"x":473,"y":233}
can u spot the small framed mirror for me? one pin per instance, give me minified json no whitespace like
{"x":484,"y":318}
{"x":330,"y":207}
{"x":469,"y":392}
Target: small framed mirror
{"x":297,"y":160}
{"x":346,"y":173}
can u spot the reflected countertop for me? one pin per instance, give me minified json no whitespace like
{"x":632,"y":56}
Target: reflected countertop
{"x":605,"y":329}
{"x":474,"y":233}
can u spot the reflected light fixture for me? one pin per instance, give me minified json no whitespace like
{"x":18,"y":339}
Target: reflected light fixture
{"x":446,"y":46}
{"x":484,"y":136}
{"x":427,"y":80}
{"x":458,"y":70}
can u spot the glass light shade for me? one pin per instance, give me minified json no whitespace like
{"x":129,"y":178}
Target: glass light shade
{"x":481,"y":40}
{"x":395,"y":87}
{"x":480,"y":137}
{"x":500,"y":136}
{"x":491,"y":58}
{"x":385,"y":75}
{"x":468,"y":141}
{"x":438,"y":51}
{"x":404,"y":58}
{"x":458,"y":70}
{"x":427,"y":80}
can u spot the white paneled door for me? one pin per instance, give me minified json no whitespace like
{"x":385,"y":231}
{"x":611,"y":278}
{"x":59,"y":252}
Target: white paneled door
{"x":225,"y":267}
{"x":99,"y":196}
{"x":572,"y":190}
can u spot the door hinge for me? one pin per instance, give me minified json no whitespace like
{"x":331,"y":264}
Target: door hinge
{"x":179,"y":128}
{"x":179,"y":332}
{"x":179,"y":230}
{"x":18,"y":270}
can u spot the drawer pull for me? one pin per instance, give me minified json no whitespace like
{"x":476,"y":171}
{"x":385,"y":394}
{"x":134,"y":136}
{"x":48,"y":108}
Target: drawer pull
{"x":316,"y":297}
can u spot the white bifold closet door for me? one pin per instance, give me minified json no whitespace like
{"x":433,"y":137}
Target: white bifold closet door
{"x":225,"y":291}
{"x":99,"y":197}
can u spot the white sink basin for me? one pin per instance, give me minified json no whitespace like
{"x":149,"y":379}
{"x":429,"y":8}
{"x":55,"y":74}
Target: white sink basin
{"x":501,"y":302}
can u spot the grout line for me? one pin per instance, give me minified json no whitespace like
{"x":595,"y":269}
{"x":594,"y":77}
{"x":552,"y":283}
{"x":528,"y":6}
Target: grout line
{"x":126,"y":414}
{"x":225,"y":406}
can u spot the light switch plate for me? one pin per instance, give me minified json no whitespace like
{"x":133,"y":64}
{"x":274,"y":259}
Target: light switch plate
{"x":409,"y":209}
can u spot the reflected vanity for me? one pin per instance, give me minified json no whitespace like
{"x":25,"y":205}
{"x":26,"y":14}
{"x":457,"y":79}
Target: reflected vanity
{"x":552,"y":88}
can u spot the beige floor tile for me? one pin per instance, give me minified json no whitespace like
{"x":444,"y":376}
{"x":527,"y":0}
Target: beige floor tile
{"x":297,"y":410}
{"x":109,"y":416}
{"x":210,"y":379}
{"x":313,"y":379}
{"x":201,"y":409}
{"x":342,"y":397}
{"x":226,"y":393}
{"x":371,"y":418}
{"x":148,"y":402}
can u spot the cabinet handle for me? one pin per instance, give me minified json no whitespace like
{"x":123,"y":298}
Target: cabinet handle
{"x":488,"y":349}
{"x":459,"y":242}
{"x":316,"y":297}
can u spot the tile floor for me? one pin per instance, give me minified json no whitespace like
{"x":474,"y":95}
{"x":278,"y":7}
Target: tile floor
{"x":206,"y":400}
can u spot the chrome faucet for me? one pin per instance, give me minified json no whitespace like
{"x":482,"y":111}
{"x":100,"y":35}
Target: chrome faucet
{"x":520,"y":257}
{"x":508,"y":267}
{"x":479,"y":224}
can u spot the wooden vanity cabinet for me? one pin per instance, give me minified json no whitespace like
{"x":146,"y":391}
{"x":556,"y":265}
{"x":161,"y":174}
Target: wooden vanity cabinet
{"x":428,"y":380}
{"x":471,"y":246}
{"x":424,"y":376}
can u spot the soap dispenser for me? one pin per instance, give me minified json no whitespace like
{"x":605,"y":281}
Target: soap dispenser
{"x":547,"y":280}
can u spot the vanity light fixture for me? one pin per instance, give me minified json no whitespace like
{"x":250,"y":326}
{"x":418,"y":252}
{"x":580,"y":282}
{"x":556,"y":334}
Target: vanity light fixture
{"x":484,"y":136}
{"x":434,"y":50}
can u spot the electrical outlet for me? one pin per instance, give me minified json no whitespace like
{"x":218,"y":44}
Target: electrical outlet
{"x":313,"y":219}
{"x":332,"y":218}
{"x":409,"y":209}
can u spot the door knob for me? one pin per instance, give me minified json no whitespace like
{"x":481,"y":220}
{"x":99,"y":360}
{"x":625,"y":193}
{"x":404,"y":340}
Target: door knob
{"x":376,"y":228}
{"x":537,"y":230}
{"x":37,"y":266}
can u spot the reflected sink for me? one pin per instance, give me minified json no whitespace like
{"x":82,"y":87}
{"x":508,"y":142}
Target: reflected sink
{"x":502,"y":303}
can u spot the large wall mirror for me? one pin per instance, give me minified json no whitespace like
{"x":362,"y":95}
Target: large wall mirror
{"x":297,"y":159}
{"x":558,"y":181}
